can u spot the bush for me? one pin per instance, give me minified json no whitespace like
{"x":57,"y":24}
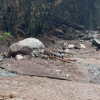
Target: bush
{"x":7,"y":34}
{"x":2,"y":38}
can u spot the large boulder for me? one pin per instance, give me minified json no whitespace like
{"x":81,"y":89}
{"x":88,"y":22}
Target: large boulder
{"x":26,"y":46}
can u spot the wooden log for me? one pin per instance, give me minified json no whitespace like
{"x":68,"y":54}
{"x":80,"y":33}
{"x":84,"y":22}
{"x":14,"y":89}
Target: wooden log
{"x":78,"y":27}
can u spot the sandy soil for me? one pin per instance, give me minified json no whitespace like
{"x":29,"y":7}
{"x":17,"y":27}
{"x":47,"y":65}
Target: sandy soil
{"x":37,"y":88}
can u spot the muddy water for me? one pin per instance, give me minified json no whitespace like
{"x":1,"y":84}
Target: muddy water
{"x":93,"y":68}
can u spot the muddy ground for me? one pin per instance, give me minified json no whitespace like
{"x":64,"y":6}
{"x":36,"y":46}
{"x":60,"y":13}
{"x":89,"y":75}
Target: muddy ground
{"x":40,"y":79}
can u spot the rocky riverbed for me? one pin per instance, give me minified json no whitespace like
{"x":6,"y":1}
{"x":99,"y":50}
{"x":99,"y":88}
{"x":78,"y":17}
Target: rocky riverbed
{"x":36,"y":78}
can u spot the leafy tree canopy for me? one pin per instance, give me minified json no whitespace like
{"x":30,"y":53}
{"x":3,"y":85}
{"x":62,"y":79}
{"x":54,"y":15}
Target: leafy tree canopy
{"x":33,"y":17}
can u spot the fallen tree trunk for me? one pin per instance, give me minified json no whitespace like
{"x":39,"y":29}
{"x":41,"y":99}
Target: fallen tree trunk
{"x":78,"y":27}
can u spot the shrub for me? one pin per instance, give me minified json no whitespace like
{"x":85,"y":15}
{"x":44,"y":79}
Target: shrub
{"x":7,"y":34}
{"x":2,"y":38}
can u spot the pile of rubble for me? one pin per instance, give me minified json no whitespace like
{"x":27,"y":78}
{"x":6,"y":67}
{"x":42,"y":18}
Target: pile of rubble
{"x":35,"y":48}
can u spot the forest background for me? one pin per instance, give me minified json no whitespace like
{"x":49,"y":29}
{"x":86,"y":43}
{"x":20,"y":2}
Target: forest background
{"x":34,"y":17}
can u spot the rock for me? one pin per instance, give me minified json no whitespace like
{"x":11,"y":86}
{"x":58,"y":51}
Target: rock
{"x":18,"y":57}
{"x":67,"y":51}
{"x":8,"y":65}
{"x":1,"y":98}
{"x":65,"y":44}
{"x":56,"y":54}
{"x":90,"y":35}
{"x":26,"y":46}
{"x":91,"y":40}
{"x":98,"y":28}
{"x":13,"y":94}
{"x":70,"y":46}
{"x":61,"y":51}
{"x":96,"y":42}
{"x":98,"y":37}
{"x":82,"y":46}
{"x":67,"y":75}
{"x":42,"y":56}
{"x":5,"y":54}
{"x":37,"y":52}
{"x":1,"y":59}
{"x":80,"y":34}
{"x":81,"y":40}
{"x":77,"y":46}
{"x":1,"y":56}
{"x":41,"y":51}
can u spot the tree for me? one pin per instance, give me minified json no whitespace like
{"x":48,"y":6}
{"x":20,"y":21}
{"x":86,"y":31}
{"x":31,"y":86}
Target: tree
{"x":33,"y":17}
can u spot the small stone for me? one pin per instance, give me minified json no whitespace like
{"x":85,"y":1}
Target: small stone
{"x":65,"y":44}
{"x":1,"y":59}
{"x":62,"y":54}
{"x":67,"y":51}
{"x":77,"y":46}
{"x":62,"y":72}
{"x":43,"y":56}
{"x":91,"y":40}
{"x":2,"y":98}
{"x":8,"y":65}
{"x":5,"y":54}
{"x":67,"y":75}
{"x":32,"y":54}
{"x":18,"y":57}
{"x":41,"y":51}
{"x":13,"y":94}
{"x":81,"y":40}
{"x":61,"y":51}
{"x":96,"y":42}
{"x":35,"y":53}
{"x":70,"y":46}
{"x":82,"y":46}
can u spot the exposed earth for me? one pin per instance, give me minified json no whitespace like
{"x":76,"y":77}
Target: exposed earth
{"x":52,"y":79}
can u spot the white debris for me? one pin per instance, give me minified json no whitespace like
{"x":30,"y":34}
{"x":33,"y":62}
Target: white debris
{"x":18,"y":57}
{"x":82,"y":46}
{"x":70,"y":46}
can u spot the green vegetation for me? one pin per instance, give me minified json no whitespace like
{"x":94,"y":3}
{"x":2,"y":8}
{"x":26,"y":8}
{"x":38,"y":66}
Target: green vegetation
{"x":2,"y":38}
{"x":7,"y":34}
{"x":34,"y":17}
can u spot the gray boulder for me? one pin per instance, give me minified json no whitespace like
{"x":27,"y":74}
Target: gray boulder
{"x":26,"y":46}
{"x":96,"y":42}
{"x":90,"y":35}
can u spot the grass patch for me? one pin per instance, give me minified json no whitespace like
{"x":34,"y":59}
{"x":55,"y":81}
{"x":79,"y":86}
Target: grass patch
{"x":7,"y":34}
